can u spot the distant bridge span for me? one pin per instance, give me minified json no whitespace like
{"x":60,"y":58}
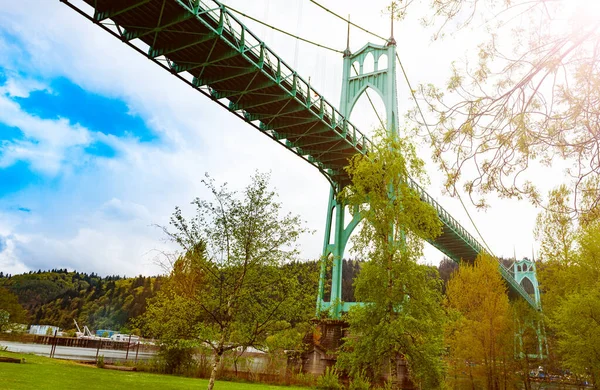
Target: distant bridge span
{"x":204,"y":45}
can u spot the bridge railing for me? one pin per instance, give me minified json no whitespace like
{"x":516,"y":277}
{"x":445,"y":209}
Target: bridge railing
{"x":280,"y":72}
{"x":465,"y":235}
{"x":446,"y":217}
{"x":239,"y":37}
{"x":221,"y":21}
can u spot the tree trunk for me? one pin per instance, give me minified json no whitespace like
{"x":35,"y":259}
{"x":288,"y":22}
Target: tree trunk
{"x":471,"y":376}
{"x":488,"y":373}
{"x":216,"y":360}
{"x":527,"y":380}
{"x":394,"y":371}
{"x":390,"y":310}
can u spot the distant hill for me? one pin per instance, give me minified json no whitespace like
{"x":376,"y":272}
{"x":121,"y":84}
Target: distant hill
{"x":58,"y":296}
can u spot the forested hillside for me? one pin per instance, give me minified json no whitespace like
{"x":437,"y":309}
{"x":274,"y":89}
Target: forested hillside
{"x":57,"y":297}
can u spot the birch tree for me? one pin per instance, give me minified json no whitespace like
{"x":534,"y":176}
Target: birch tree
{"x":229,"y":289}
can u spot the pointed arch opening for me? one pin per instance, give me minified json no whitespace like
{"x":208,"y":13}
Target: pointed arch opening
{"x":528,"y":286}
{"x":382,"y":62}
{"x":529,"y":333}
{"x":352,"y":263}
{"x":368,"y":63}
{"x":367,"y":110}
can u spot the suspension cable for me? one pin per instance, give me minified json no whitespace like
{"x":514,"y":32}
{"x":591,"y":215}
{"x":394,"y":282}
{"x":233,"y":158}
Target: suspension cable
{"x":316,"y":44}
{"x":371,"y":101}
{"x":348,"y":21}
{"x":412,"y":92}
{"x":282,"y":31}
{"x":368,"y":97}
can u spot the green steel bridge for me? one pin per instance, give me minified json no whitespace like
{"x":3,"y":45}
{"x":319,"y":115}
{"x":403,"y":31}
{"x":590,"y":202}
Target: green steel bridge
{"x":204,"y":45}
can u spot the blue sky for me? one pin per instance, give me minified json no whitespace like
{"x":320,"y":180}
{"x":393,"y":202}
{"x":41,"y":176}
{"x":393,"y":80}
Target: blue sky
{"x":98,"y":144}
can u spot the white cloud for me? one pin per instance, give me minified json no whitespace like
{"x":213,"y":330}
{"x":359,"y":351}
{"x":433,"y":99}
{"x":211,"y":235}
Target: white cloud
{"x":10,"y":262}
{"x":99,"y":217}
{"x":45,"y":142}
{"x":123,"y":210}
{"x":17,"y":87}
{"x":92,"y":250}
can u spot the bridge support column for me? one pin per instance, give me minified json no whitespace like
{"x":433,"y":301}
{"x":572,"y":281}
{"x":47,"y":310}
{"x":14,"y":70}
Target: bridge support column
{"x":337,"y":234}
{"x":525,"y":274}
{"x":382,"y":80}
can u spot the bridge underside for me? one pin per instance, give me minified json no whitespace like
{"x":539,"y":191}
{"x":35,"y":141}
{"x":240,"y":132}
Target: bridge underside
{"x":231,"y":65}
{"x":204,"y":45}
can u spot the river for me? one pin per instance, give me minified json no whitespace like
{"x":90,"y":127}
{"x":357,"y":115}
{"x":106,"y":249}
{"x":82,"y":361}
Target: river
{"x":74,"y":353}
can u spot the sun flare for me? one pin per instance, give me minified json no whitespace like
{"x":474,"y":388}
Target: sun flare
{"x":583,"y":11}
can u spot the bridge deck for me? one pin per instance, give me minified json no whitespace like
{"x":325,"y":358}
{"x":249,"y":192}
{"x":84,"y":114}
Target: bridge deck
{"x":203,"y":44}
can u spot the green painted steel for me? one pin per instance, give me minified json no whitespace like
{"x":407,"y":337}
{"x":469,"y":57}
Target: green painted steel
{"x":205,"y":46}
{"x":382,"y":80}
{"x":525,"y":273}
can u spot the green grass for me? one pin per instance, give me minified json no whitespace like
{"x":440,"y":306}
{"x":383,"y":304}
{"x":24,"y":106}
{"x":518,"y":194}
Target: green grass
{"x":44,"y":373}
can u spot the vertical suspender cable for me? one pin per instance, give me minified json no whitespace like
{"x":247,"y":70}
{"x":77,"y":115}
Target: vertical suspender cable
{"x":300,"y":2}
{"x":266,"y":31}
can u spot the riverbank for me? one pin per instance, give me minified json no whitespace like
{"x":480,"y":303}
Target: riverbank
{"x":44,"y":373}
{"x":76,"y":353}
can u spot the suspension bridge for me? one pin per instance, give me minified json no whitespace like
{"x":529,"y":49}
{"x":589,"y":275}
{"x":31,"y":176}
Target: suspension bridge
{"x":205,"y":45}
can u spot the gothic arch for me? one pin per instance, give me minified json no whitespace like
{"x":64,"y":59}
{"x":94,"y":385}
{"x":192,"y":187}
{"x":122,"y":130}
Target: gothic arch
{"x":360,"y":93}
{"x":368,"y":63}
{"x":527,"y":285}
{"x":382,"y":62}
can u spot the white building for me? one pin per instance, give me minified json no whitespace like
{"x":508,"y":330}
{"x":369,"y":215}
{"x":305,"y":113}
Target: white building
{"x":43,"y":330}
{"x":124,"y":337}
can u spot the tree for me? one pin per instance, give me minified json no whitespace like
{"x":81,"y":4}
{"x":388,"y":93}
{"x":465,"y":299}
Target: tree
{"x":528,"y":95}
{"x":531,"y":341}
{"x":480,"y":334}
{"x":4,"y":320}
{"x":572,"y":290}
{"x":446,"y":268}
{"x":229,"y":288}
{"x":577,"y":323}
{"x":555,"y":230}
{"x":402,"y":315}
{"x":14,"y":312}
{"x":172,"y":315}
{"x":557,"y":234}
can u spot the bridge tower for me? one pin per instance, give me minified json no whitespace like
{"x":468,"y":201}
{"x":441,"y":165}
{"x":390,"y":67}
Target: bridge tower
{"x":525,"y":274}
{"x":382,"y":80}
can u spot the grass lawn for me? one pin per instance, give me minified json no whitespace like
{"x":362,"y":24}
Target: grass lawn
{"x":44,"y":373}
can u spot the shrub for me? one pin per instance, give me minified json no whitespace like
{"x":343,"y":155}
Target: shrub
{"x":387,"y":385}
{"x":151,"y":365}
{"x":302,"y":379}
{"x":100,"y":361}
{"x":203,"y":365}
{"x":176,"y":358}
{"x":360,"y":382}
{"x":329,"y":380}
